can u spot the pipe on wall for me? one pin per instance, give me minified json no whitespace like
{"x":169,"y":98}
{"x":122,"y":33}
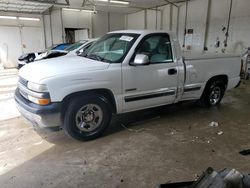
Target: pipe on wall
{"x":205,"y":48}
{"x":185,"y":26}
{"x":228,"y":23}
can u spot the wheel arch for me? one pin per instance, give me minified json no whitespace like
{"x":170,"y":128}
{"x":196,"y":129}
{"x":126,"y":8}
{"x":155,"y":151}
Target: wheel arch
{"x":107,"y":94}
{"x":222,"y":77}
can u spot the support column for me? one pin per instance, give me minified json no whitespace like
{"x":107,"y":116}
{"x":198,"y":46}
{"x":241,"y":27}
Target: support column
{"x":145,"y":19}
{"x":170,"y":17}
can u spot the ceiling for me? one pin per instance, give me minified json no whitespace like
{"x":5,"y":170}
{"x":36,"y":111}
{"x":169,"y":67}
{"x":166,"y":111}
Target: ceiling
{"x":23,"y":6}
{"x":40,"y":6}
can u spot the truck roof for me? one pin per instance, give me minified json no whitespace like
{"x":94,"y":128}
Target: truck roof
{"x":142,"y":31}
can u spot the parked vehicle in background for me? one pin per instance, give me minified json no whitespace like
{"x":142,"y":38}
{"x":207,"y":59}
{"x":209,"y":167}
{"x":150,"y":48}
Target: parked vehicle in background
{"x":123,"y":71}
{"x":80,"y":48}
{"x":30,"y":57}
{"x":73,"y":49}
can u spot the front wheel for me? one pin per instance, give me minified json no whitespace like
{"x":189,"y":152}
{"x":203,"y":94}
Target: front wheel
{"x":214,"y":93}
{"x":87,"y":117}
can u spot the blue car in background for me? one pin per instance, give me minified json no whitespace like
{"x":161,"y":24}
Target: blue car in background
{"x":61,"y":46}
{"x":30,"y":57}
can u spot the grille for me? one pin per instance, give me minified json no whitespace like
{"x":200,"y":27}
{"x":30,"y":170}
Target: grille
{"x":23,"y":81}
{"x":25,"y":95}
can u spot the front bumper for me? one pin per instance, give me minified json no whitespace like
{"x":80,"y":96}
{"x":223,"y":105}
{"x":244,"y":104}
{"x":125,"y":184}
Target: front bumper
{"x":43,"y":116}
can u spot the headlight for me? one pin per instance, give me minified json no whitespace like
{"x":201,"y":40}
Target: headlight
{"x":37,"y":87}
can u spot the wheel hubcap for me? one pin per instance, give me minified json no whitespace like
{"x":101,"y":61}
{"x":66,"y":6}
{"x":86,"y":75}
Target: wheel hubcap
{"x":89,"y":117}
{"x":215,"y":96}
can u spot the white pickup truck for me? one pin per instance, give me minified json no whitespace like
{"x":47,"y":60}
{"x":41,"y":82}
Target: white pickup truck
{"x":123,"y":71}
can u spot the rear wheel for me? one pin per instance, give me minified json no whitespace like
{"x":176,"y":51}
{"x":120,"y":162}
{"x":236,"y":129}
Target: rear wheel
{"x":87,"y":117}
{"x":213,"y":93}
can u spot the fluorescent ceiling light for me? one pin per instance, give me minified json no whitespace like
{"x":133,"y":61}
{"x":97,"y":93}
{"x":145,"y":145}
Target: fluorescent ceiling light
{"x":103,"y":0}
{"x":119,"y":2}
{"x":72,"y":9}
{"x":88,"y":11}
{"x":28,"y":19}
{"x":9,"y":17}
{"x":120,"y":6}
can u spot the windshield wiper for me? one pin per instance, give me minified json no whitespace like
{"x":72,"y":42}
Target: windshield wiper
{"x":98,"y":58}
{"x":94,"y":57}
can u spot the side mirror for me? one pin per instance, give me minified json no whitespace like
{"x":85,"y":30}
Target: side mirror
{"x":140,"y":60}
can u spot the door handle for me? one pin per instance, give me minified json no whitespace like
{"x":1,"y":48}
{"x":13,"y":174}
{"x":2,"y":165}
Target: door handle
{"x":172,"y":71}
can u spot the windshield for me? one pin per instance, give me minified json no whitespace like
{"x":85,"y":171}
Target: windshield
{"x":60,"y":46}
{"x":74,"y":46}
{"x":111,"y":48}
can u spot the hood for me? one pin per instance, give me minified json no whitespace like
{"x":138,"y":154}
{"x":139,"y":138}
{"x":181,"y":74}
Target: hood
{"x":40,"y":70}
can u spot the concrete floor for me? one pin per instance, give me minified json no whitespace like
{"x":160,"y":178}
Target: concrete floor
{"x":166,"y":144}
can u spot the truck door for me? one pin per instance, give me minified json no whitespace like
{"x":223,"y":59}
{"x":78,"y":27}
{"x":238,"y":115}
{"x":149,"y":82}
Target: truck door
{"x":154,"y":84}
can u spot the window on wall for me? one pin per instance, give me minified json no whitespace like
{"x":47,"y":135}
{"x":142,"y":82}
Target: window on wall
{"x":157,"y":48}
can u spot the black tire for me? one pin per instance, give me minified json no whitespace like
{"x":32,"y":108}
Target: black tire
{"x":215,"y":88}
{"x":70,"y":120}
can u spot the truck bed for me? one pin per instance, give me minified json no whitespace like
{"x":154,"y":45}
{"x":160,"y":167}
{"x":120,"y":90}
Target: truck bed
{"x":201,"y":67}
{"x":197,"y":56}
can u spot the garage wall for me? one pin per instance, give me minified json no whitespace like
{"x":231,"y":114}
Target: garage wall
{"x":207,"y":19}
{"x":97,"y":24}
{"x":100,"y":24}
{"x":240,"y":24}
{"x":153,"y":19}
{"x":56,"y":22}
{"x":47,"y":30}
{"x":18,"y":37}
{"x":104,"y":22}
{"x":136,"y":20}
{"x":216,"y":16}
{"x":117,"y":21}
{"x":77,"y":20}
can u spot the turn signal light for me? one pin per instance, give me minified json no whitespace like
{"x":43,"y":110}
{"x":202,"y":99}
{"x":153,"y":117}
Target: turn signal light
{"x":43,"y":101}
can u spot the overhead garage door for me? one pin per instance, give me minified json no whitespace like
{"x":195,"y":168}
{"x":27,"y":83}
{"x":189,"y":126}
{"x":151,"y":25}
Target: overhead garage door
{"x":14,"y":41}
{"x":10,"y":45}
{"x":32,"y":39}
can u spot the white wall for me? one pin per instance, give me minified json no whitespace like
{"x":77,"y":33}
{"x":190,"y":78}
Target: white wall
{"x":136,"y":20}
{"x":198,"y":14}
{"x":47,"y":30}
{"x":81,"y":34}
{"x":97,"y":24}
{"x":150,"y":20}
{"x":240,"y":24}
{"x":105,"y":22}
{"x":18,"y":37}
{"x":56,"y":22}
{"x":153,"y":19}
{"x":166,"y":18}
{"x":117,"y":21}
{"x":78,"y":20}
{"x":100,"y":24}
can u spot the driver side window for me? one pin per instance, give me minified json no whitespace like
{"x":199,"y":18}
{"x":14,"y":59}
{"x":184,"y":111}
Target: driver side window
{"x":157,"y":48}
